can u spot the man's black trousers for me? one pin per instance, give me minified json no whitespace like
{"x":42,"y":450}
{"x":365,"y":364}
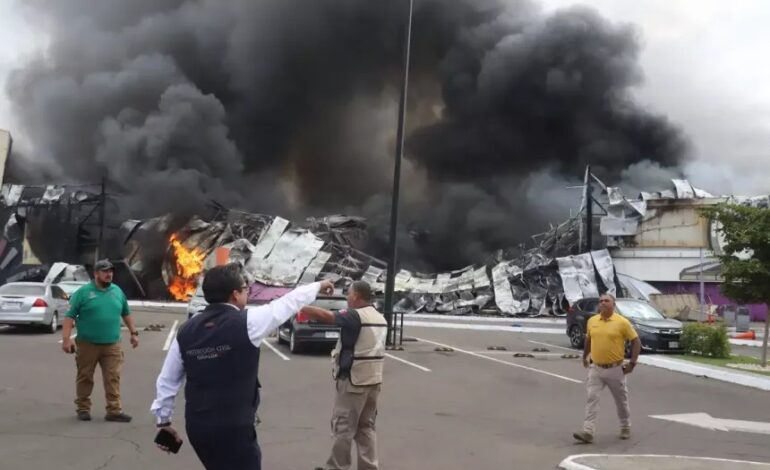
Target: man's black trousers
{"x":225,"y":447}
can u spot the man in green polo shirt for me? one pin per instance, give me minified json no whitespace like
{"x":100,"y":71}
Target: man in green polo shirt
{"x":97,"y":309}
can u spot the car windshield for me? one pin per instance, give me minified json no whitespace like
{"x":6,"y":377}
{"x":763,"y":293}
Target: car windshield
{"x":70,"y":287}
{"x":22,"y":289}
{"x":637,"y":310}
{"x":331,"y":303}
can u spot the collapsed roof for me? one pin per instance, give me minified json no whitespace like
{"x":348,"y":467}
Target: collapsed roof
{"x":275,"y":252}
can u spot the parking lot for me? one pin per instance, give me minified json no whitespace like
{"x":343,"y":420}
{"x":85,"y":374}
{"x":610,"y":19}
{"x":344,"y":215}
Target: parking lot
{"x":470,"y":408}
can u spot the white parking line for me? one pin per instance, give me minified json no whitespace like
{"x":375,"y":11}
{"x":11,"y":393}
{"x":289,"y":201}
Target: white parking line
{"x":554,"y":346}
{"x":510,"y":364}
{"x":416,"y":366}
{"x":171,"y":335}
{"x":597,"y":461}
{"x":275,"y":350}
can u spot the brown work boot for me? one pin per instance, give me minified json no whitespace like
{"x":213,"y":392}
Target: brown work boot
{"x":625,"y":433}
{"x":584,"y":437}
{"x":118,"y":418}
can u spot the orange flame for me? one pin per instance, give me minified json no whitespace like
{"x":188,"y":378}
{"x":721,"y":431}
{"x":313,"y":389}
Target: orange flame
{"x":189,"y":265}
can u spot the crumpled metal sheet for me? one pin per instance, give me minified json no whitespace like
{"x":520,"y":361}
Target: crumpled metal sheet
{"x":577,"y":275}
{"x":52,"y":194}
{"x":701,"y":194}
{"x":315,"y":267}
{"x":66,"y":272}
{"x":270,"y":237}
{"x":12,"y":193}
{"x":585,"y":269}
{"x":12,"y":230}
{"x":683,"y":189}
{"x":287,"y":260}
{"x":504,"y":293}
{"x":569,"y":279}
{"x":603,"y":262}
{"x":480,"y":278}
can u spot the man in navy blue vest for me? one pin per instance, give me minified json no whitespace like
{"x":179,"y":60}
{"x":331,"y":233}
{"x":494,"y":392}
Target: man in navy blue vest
{"x":217,"y":351}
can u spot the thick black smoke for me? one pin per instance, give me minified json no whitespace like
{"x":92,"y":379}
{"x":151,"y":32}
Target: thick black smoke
{"x":289,"y":107}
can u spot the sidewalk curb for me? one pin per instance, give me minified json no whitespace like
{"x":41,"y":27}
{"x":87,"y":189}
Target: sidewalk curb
{"x":746,"y":342}
{"x":570,"y":464}
{"x":468,"y":326}
{"x":155,"y":304}
{"x":559,"y":322}
{"x":746,"y":379}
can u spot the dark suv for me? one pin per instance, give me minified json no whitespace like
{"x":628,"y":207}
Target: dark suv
{"x":657,"y":333}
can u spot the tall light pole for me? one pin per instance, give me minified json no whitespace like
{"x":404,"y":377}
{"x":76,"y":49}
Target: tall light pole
{"x":390,"y":282}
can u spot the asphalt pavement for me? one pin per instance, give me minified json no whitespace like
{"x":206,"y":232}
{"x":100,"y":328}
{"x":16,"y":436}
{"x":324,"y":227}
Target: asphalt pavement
{"x":471,"y":407}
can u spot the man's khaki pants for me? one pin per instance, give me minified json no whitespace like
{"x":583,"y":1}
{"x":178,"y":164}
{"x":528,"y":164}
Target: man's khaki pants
{"x":110,"y":359}
{"x":614,"y":379}
{"x":353,"y":419}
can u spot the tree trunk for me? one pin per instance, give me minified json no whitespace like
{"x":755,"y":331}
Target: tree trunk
{"x":764,"y":340}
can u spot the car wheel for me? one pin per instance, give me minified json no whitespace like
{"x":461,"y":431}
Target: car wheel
{"x":280,"y":338}
{"x":576,"y":336}
{"x":293,"y":344}
{"x":53,"y":327}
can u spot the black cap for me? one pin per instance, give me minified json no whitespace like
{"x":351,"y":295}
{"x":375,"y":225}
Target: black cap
{"x":103,"y":265}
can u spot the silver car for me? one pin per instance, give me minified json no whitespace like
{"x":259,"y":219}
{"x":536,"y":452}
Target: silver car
{"x":32,"y":303}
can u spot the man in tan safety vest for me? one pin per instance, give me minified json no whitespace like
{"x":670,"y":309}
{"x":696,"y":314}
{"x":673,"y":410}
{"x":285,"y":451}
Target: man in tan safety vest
{"x":357,"y":364}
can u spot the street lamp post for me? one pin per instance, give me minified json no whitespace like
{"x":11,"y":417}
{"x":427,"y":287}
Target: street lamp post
{"x":391,"y":275}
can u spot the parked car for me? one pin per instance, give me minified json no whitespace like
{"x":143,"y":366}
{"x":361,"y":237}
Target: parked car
{"x":300,"y":332}
{"x":657,"y":333}
{"x":32,"y":303}
{"x":69,"y":287}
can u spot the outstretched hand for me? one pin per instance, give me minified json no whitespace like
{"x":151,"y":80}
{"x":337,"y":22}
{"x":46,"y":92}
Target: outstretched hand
{"x":326,"y":288}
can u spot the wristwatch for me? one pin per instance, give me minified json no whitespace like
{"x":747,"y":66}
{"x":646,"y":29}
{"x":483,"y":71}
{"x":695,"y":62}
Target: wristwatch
{"x":164,"y":425}
{"x":134,"y":333}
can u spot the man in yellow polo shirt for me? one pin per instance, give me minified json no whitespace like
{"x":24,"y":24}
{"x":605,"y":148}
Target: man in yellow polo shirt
{"x":606,"y":336}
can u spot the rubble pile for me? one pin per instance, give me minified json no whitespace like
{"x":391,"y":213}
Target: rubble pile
{"x":275,"y":252}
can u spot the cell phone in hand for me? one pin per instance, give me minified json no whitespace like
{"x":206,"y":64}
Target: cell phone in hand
{"x":167,"y":440}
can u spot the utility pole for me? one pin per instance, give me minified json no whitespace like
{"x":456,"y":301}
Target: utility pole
{"x":589,"y":213}
{"x":102,"y":204}
{"x":702,"y":286}
{"x":390,"y":282}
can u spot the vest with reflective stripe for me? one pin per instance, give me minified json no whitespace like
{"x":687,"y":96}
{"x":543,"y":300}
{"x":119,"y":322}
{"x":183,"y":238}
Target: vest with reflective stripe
{"x":369,"y":351}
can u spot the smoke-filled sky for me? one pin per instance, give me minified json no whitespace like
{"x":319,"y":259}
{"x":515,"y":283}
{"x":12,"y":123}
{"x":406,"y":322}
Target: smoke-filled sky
{"x":289,"y":107}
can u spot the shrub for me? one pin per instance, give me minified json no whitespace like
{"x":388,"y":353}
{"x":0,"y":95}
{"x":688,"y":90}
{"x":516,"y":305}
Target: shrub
{"x":706,"y":340}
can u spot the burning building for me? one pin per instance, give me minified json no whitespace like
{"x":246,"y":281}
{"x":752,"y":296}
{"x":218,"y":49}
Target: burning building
{"x":543,"y":280}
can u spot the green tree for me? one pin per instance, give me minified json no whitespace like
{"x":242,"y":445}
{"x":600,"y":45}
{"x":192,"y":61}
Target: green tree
{"x":746,"y":258}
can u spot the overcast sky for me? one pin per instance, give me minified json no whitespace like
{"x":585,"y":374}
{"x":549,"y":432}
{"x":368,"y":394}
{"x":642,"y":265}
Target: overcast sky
{"x":705,"y":64}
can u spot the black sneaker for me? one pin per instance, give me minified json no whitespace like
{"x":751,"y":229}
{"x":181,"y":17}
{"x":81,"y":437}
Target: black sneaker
{"x":84,"y":416}
{"x":118,"y":418}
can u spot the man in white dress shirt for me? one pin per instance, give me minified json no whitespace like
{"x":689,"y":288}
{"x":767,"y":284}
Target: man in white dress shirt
{"x":217,"y":352}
